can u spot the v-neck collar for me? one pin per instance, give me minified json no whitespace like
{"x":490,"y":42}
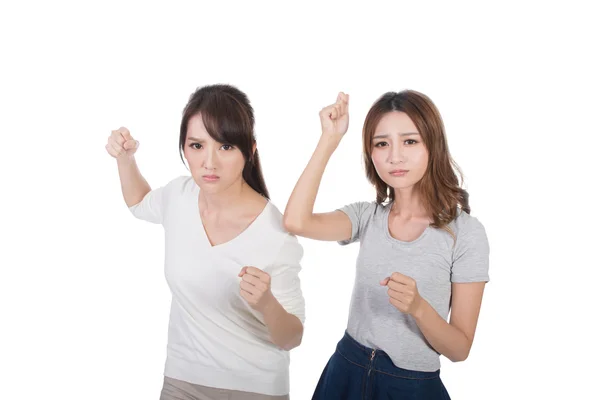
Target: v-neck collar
{"x":239,"y":236}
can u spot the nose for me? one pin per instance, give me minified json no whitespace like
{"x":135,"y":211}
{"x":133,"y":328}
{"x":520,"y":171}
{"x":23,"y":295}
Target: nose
{"x":396,"y":154}
{"x":209,"y":159}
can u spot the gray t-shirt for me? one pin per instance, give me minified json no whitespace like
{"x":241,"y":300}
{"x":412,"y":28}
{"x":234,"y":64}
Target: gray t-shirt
{"x":433,"y":260}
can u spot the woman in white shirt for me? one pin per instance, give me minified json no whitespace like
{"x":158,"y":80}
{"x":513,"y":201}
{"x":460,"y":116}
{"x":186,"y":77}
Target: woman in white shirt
{"x":237,"y":305}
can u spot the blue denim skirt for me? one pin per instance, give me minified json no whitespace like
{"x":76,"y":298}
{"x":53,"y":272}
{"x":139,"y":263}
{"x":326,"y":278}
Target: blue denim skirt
{"x":356,"y":372}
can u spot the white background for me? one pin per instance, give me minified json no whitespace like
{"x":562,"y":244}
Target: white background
{"x":83,"y":300}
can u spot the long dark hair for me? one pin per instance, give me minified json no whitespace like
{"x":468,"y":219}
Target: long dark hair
{"x":439,"y":189}
{"x":228,"y":118}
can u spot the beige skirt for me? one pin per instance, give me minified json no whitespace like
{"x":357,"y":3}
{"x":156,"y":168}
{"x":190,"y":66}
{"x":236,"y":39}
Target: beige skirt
{"x":174,"y":389}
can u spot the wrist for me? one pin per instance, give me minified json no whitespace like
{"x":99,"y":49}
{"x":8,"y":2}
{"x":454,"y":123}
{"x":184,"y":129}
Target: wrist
{"x":126,"y":160}
{"x":271,"y":308}
{"x":420,"y":310}
{"x":329,"y":141}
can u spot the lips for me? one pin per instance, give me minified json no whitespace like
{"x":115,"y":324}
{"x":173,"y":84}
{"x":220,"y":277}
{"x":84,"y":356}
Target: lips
{"x":399,"y":172}
{"x":210,"y":178}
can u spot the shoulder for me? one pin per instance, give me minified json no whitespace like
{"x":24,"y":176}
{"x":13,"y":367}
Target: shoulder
{"x":466,"y":221}
{"x":469,"y":231}
{"x":180,"y":185}
{"x":273,"y":219}
{"x":273,"y":226}
{"x":362,"y":209}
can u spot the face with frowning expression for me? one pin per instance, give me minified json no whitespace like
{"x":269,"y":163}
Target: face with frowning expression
{"x":214,"y":166}
{"x":398,"y":153}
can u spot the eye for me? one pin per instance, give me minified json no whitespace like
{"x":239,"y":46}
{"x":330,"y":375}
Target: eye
{"x":411,"y":141}
{"x":196,"y":146}
{"x":381,"y":144}
{"x":227,"y":147}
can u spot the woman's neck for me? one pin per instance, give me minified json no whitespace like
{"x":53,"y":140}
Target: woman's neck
{"x":407,"y":204}
{"x":232,"y":198}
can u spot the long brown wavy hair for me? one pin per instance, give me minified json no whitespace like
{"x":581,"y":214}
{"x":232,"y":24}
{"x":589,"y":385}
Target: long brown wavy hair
{"x":439,"y":189}
{"x":228,"y":118}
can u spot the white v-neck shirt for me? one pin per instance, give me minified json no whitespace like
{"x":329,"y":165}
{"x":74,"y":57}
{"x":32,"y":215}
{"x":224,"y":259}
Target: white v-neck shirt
{"x":215,"y":338}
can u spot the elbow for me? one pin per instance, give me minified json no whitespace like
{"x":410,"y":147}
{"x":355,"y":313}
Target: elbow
{"x":459,"y":357}
{"x":461,"y":351}
{"x":135,"y":199}
{"x":132,"y":205}
{"x":292,"y":344}
{"x":292,"y":225}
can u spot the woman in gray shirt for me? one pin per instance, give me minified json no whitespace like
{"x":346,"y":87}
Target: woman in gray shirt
{"x":421,"y":252}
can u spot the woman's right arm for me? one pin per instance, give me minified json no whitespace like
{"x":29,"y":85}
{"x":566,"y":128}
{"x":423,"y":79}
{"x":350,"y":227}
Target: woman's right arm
{"x":299,"y":218}
{"x":122,"y":146}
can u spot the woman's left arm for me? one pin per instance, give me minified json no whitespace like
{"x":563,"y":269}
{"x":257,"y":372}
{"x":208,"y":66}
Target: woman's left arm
{"x":469,"y":274}
{"x":279,"y":296}
{"x":454,"y":339}
{"x":285,"y":329}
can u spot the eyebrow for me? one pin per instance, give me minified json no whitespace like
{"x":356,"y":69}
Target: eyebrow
{"x":194,"y":139}
{"x":385,"y":135}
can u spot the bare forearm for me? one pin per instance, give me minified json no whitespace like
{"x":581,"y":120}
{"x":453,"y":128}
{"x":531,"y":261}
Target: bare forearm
{"x":446,"y":339}
{"x":285,"y":329}
{"x":302,"y":201}
{"x":133,"y":184}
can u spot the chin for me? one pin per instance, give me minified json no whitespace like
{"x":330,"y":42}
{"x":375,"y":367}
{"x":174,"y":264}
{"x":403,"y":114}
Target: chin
{"x":400,"y":185}
{"x":211,"y":188}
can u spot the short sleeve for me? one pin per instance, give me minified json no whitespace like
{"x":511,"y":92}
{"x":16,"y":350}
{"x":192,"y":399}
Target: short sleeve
{"x":285,"y":279}
{"x":359,"y":214}
{"x":471,"y":253}
{"x":153,"y":205}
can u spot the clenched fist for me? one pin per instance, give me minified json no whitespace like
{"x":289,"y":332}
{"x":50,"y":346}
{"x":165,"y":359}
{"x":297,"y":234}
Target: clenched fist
{"x":255,"y":288}
{"x":334,"y":118}
{"x":403,"y":292}
{"x":121,"y":144}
